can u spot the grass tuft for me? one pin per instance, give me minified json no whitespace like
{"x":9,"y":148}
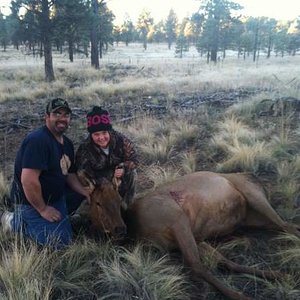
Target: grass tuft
{"x":25,"y":271}
{"x":189,"y":162}
{"x":141,"y":274}
{"x":158,"y":175}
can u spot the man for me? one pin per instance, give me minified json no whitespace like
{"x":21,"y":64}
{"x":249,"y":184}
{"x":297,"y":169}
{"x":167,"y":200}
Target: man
{"x":107,"y":153}
{"x":44,"y":167}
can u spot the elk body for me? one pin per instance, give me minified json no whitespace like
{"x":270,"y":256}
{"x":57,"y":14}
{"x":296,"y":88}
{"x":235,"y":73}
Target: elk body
{"x":184,"y":213}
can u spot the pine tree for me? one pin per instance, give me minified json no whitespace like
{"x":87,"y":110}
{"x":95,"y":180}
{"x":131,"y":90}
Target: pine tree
{"x":182,"y":45}
{"x":170,"y":26}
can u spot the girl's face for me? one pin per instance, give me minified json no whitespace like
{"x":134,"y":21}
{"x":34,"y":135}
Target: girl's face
{"x":101,"y":138}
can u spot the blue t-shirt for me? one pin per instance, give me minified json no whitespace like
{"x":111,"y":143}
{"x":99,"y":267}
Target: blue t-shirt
{"x":41,"y":151}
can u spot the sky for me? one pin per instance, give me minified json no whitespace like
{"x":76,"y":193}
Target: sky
{"x":278,"y":9}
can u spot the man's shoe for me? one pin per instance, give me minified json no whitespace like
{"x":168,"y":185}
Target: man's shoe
{"x":1,"y":213}
{"x":6,"y":219}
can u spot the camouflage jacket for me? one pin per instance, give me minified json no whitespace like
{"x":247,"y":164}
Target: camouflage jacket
{"x":96,"y":164}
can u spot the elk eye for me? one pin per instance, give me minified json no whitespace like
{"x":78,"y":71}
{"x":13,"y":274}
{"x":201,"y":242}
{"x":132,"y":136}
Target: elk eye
{"x":98,"y":204}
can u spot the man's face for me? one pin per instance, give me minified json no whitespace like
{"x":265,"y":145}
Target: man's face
{"x":101,"y":138}
{"x":58,"y":121}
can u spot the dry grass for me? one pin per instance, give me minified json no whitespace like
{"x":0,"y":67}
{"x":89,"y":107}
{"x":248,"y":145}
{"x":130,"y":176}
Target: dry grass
{"x":74,"y":269}
{"x":189,"y":162}
{"x":161,"y":72}
{"x":288,"y":181}
{"x":232,"y":131}
{"x":289,"y":253}
{"x":284,"y":145}
{"x":25,"y":272}
{"x":88,"y":269}
{"x":242,"y":244}
{"x":158,"y":150}
{"x":254,"y":106}
{"x":287,"y":257}
{"x":158,"y":140}
{"x":159,"y":175}
{"x":243,"y":137}
{"x":184,"y":131}
{"x":297,"y":165}
{"x":241,"y":146}
{"x":249,"y":158}
{"x":140,"y":273}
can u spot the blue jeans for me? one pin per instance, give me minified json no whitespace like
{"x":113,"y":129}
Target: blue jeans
{"x":30,"y":223}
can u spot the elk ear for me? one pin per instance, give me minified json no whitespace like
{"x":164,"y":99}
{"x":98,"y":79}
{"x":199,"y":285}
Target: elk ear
{"x":85,"y":180}
{"x":116,"y":183}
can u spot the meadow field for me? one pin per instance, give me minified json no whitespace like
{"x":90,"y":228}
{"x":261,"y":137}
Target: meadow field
{"x":184,"y":116}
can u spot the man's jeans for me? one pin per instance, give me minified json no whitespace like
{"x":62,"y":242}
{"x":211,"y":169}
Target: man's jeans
{"x":30,"y":223}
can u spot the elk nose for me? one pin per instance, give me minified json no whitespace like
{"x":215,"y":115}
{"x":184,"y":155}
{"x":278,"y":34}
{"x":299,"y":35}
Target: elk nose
{"x":120,"y":231}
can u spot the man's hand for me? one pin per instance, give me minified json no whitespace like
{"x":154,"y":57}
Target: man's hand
{"x":89,"y":191}
{"x":76,"y":185}
{"x":51,"y":214}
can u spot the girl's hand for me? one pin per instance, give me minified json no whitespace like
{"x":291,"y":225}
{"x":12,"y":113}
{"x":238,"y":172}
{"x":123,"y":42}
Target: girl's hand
{"x":119,"y":172}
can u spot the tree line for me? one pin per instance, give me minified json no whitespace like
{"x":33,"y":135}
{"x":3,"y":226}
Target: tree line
{"x":86,"y":26}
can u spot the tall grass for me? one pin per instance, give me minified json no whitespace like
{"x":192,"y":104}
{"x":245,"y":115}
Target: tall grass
{"x":189,"y":162}
{"x":159,"y":175}
{"x":242,"y":149}
{"x":159,"y":140}
{"x":88,"y":270}
{"x":141,"y":274}
{"x":246,"y":158}
{"x":287,"y":257}
{"x":288,"y":254}
{"x":145,"y":75}
{"x":25,"y":272}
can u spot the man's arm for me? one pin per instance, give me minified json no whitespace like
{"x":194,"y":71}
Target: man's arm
{"x":75,"y":185}
{"x":33,"y":192}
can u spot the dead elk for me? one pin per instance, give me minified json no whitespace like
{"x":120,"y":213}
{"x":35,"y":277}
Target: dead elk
{"x":196,"y":207}
{"x":104,"y":210}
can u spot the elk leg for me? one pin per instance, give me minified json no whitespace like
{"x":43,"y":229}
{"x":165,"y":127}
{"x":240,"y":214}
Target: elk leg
{"x":188,"y":247}
{"x":205,"y":248}
{"x":261,"y":214}
{"x":265,"y":215}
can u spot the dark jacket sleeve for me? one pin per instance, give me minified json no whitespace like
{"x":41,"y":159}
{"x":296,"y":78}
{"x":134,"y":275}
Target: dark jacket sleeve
{"x":84,"y":161}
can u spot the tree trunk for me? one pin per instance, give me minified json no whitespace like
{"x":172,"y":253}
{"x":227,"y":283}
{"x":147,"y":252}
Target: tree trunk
{"x":94,"y":36}
{"x":41,"y":50}
{"x":46,"y":33}
{"x":269,"y":47}
{"x":255,"y":43}
{"x":48,"y":60}
{"x":207,"y":57}
{"x":213,"y":56}
{"x":71,"y":50}
{"x":86,"y":51}
{"x":101,"y":50}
